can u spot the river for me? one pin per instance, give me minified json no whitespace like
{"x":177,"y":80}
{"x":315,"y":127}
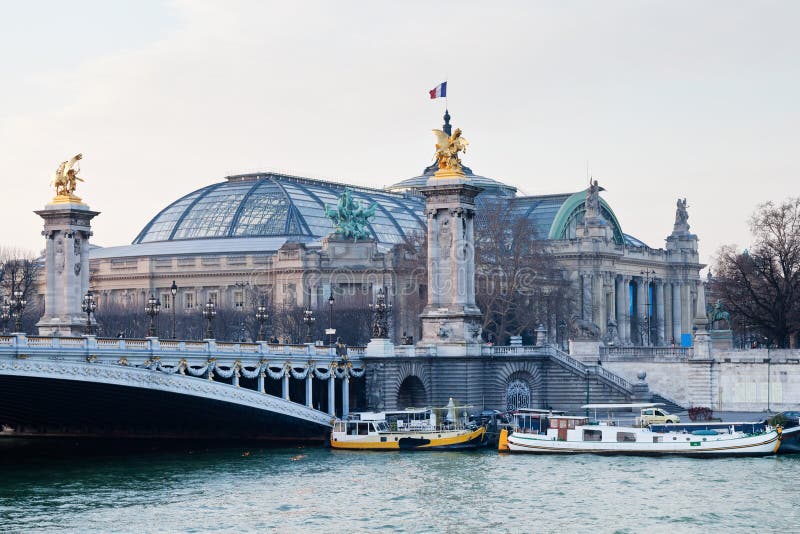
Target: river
{"x":321,"y":490}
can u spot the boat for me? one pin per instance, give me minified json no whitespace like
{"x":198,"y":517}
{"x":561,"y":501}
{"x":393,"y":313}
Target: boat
{"x":545,"y":433}
{"x":790,"y":438}
{"x":410,"y":429}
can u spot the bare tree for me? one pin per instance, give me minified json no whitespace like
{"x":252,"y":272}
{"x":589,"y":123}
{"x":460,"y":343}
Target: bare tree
{"x":761,"y":285}
{"x":519,"y":283}
{"x":20,"y":270}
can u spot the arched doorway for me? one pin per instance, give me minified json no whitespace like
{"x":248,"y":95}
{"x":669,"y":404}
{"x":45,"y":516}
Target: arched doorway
{"x":411,"y":393}
{"x":518,"y":394}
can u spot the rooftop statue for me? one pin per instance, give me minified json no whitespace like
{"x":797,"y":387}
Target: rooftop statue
{"x":66,"y":179}
{"x":447,"y":149}
{"x":592,"y":203}
{"x":350,"y":218}
{"x":681,"y":215}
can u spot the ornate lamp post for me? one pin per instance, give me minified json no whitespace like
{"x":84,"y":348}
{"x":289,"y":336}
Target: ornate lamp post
{"x":5,"y":315}
{"x":89,"y":305}
{"x":173,"y":291}
{"x":152,"y":309}
{"x":17,"y":306}
{"x":308,"y":319}
{"x":648,"y":275}
{"x":209,"y":312}
{"x":261,"y":317}
{"x":330,"y":331}
{"x":380,"y":329}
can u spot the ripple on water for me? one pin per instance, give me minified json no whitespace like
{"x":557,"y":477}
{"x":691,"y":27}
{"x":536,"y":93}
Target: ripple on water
{"x":343,"y":490}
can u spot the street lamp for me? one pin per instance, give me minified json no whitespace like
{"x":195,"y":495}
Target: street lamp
{"x":88,"y":306}
{"x":173,"y":291}
{"x":330,"y":330}
{"x":380,"y":329}
{"x":152,"y":309}
{"x":261,"y":317}
{"x":308,"y":319}
{"x":648,"y":275}
{"x":17,"y":306}
{"x":5,"y":315}
{"x":209,"y":312}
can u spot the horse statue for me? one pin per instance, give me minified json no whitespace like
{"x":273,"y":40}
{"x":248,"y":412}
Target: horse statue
{"x":718,"y":313}
{"x":583,"y":329}
{"x":66,"y":178}
{"x":447,"y":149}
{"x":350,"y":219}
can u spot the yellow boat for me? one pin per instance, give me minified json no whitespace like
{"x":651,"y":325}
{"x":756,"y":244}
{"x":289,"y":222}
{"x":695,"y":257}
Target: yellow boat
{"x":412,"y":429}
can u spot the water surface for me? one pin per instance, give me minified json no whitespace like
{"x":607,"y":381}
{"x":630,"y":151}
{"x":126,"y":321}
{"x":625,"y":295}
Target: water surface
{"x":321,"y":490}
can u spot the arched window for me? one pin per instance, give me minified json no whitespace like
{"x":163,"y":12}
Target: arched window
{"x":411,"y":393}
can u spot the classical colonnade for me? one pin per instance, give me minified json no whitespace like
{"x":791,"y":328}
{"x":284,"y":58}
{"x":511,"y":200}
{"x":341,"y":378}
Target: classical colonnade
{"x":669,"y":305}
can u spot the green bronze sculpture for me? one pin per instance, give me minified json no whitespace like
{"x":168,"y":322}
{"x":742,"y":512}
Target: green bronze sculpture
{"x":351,"y":219}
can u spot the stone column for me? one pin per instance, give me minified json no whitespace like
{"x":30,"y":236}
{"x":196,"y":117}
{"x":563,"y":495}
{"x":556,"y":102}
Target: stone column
{"x":586,"y":296}
{"x":660,"y":326}
{"x":332,"y":394}
{"x":285,"y":385}
{"x":687,"y":311}
{"x":261,"y":382}
{"x":67,"y":228}
{"x":676,"y":312}
{"x":619,"y":288}
{"x":599,"y":302}
{"x":641,"y":311}
{"x":667,"y":313}
{"x":345,"y":395}
{"x":628,"y":323}
{"x":309,"y":389}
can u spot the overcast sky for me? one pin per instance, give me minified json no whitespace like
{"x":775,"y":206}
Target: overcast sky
{"x":663,"y":99}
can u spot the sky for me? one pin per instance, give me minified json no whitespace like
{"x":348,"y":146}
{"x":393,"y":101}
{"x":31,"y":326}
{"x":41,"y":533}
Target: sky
{"x":660,"y":100}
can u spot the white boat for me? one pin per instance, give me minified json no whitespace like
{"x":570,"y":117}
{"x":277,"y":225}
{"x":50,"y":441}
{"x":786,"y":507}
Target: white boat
{"x":535,"y":432}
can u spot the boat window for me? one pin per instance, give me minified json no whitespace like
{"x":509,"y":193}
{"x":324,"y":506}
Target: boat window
{"x":383,"y":427}
{"x":592,"y":435}
{"x":625,"y":437}
{"x":352,"y":429}
{"x":658,"y":439}
{"x":363,"y":429}
{"x":562,"y":423}
{"x":372,"y":427}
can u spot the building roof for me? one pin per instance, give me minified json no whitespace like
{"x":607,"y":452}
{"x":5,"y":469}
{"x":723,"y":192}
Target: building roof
{"x":277,"y":205}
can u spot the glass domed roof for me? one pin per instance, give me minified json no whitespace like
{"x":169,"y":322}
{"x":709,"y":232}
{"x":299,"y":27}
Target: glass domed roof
{"x":271,"y":204}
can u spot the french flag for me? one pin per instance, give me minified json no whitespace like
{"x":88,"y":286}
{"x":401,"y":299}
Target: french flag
{"x":439,"y":91}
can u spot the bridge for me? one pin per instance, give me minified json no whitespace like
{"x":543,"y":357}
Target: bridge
{"x":141,"y":388}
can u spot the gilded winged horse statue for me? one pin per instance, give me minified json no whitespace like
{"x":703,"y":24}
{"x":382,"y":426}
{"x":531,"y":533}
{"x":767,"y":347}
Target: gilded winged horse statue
{"x":65,"y":179}
{"x":447,"y":149}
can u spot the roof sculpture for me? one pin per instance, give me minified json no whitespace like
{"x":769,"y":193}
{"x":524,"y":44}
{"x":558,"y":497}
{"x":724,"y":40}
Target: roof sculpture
{"x":350,"y":219}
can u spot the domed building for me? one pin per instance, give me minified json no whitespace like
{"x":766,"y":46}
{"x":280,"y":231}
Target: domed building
{"x":265,"y":237}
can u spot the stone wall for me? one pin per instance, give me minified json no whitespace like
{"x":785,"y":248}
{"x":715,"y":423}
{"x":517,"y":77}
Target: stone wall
{"x":735,"y":380}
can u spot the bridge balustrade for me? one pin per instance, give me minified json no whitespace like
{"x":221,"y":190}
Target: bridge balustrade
{"x":201,"y":359}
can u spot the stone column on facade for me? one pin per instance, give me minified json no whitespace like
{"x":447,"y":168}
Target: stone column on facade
{"x":620,"y":308}
{"x":309,"y":389}
{"x":599,"y":303}
{"x":667,"y":313}
{"x":345,"y":396}
{"x":641,"y":310}
{"x":586,"y":296}
{"x":285,"y":385}
{"x":687,"y":311}
{"x":677,"y":320}
{"x":660,"y":326}
{"x":332,"y":393}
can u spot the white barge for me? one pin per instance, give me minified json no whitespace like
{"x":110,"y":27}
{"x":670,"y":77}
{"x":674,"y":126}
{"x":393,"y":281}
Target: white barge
{"x":542,"y":433}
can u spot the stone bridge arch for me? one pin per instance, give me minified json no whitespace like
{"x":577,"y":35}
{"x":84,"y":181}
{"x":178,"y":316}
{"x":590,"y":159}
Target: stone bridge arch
{"x":517,"y":385}
{"x":412,"y":387}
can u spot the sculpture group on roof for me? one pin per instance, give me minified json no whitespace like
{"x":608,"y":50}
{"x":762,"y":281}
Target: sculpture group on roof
{"x":351,"y":218}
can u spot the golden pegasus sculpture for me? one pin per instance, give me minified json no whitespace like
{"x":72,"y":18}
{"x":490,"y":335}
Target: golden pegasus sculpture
{"x":66,"y":179}
{"x":447,"y":149}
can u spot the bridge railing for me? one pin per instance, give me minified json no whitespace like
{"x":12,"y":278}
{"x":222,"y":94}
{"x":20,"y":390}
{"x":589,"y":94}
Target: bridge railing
{"x":22,"y":346}
{"x":645,"y":353}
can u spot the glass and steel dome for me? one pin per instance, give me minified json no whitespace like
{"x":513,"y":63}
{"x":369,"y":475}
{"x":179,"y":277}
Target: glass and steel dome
{"x":271,"y":204}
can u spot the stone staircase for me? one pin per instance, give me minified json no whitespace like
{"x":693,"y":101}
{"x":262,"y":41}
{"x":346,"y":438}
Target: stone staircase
{"x":668,"y":404}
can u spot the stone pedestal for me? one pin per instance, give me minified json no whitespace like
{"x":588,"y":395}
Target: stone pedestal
{"x":380,"y":347}
{"x":67,"y":228}
{"x":721,"y":339}
{"x":585,"y":350}
{"x":451,"y":316}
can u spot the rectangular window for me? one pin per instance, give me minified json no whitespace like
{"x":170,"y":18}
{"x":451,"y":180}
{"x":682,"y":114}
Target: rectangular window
{"x":166,"y":301}
{"x":238,"y":299}
{"x":188,"y":301}
{"x":213,"y":296}
{"x":626,"y":437}
{"x":592,"y":435}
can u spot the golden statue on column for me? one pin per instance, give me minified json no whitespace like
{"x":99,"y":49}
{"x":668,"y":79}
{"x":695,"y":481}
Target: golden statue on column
{"x":447,"y":149}
{"x":66,"y":179}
